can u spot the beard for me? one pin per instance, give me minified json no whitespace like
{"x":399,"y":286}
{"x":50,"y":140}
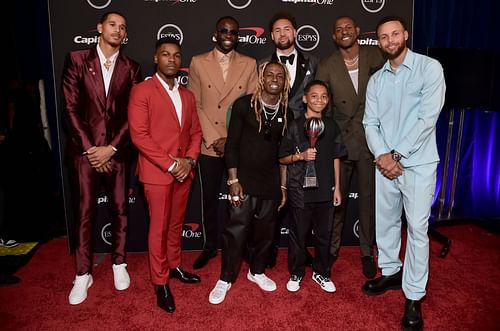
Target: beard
{"x":397,"y":52}
{"x":284,"y":45}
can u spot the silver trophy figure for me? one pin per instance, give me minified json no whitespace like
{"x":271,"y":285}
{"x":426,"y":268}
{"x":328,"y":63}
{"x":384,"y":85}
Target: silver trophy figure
{"x":314,"y":127}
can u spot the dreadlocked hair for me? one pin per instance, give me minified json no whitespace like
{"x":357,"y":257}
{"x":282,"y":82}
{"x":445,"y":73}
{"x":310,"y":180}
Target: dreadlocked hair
{"x":256,"y":101}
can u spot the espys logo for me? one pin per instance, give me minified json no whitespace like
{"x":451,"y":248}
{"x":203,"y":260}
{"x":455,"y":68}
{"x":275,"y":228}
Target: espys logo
{"x":307,"y":38}
{"x":373,"y":6}
{"x":252,"y":36}
{"x":170,"y":30}
{"x":239,"y":4}
{"x":106,"y":233}
{"x":355,"y":228}
{"x":189,"y":231}
{"x":99,"y":4}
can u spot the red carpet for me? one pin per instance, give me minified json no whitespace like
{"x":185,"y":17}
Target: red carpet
{"x":464,"y":291}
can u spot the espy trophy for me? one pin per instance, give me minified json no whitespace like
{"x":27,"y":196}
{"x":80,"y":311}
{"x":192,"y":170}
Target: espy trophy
{"x":314,"y":127}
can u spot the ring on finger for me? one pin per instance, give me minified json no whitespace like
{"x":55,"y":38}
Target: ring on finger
{"x":235,"y":198}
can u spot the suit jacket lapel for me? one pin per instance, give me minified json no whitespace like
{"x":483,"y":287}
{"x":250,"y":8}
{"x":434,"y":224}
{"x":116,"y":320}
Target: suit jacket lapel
{"x":344,"y":73}
{"x":95,"y":66}
{"x":234,"y":72}
{"x":364,"y":71}
{"x":169,"y":104}
{"x":300,"y":73}
{"x":214,"y":72}
{"x":119,"y":74}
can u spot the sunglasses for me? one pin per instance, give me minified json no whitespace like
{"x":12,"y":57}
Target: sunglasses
{"x":229,"y":32}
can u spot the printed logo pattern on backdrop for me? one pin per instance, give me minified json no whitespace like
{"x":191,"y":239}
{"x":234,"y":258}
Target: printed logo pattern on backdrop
{"x":192,"y":22}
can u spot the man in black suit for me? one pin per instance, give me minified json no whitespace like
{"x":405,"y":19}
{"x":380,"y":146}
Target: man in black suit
{"x":347,"y":71}
{"x":302,"y":68}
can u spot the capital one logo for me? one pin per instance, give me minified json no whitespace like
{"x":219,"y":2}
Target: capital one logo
{"x":373,"y":6}
{"x":106,"y":233}
{"x":190,"y":230}
{"x":253,"y":36}
{"x":170,"y":30}
{"x":99,"y":4}
{"x":355,"y":228}
{"x":239,"y":4}
{"x":307,"y":38}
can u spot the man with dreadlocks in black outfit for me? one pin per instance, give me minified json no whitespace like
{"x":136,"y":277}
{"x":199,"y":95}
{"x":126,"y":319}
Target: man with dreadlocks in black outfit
{"x":257,"y":182}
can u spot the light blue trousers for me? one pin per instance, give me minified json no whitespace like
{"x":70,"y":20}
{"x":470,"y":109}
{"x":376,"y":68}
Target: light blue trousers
{"x":413,"y":191}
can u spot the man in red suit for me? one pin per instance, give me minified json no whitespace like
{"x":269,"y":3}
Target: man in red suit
{"x":96,"y":84}
{"x":165,"y":129}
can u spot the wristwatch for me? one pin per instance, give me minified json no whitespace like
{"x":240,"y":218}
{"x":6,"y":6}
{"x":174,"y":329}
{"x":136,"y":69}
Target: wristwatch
{"x":192,"y":162}
{"x":395,"y":155}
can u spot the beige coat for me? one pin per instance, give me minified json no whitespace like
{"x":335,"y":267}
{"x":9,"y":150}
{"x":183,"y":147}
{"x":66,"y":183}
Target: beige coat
{"x":214,"y":97}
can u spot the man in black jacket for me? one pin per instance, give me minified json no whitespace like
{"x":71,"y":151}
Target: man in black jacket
{"x":301,"y":68}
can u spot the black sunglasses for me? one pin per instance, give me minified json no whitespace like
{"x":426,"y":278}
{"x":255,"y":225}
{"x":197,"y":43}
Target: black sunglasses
{"x":229,"y":32}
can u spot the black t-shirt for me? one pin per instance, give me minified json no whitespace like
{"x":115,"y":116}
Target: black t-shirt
{"x":329,"y":147}
{"x":254,"y":153}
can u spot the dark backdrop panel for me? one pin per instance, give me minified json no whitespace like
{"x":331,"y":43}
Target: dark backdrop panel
{"x":73,"y":26}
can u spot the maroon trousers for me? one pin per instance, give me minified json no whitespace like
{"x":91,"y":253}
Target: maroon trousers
{"x":89,"y":183}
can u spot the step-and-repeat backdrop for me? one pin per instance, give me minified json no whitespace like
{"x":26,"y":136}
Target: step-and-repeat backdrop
{"x":192,"y":22}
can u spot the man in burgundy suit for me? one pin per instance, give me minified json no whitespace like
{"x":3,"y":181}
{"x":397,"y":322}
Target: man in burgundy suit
{"x":165,"y":129}
{"x":96,"y":84}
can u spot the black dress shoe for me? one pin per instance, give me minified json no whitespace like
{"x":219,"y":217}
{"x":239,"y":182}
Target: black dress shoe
{"x":381,"y":284}
{"x":412,"y":319}
{"x":203,"y":259}
{"x":369,"y":269}
{"x":184,"y":276}
{"x":164,"y":298}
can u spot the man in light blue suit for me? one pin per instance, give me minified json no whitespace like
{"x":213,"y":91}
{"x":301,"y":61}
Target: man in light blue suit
{"x":403,"y":102}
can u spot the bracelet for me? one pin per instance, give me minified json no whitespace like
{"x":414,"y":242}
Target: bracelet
{"x":114,"y":148}
{"x":283,"y":187}
{"x":232,"y":181}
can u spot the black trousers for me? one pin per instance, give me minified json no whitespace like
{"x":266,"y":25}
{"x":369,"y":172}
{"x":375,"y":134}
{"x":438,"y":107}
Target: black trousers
{"x":250,"y":225}
{"x":320,"y":216}
{"x":212,"y":172}
{"x":366,"y":204}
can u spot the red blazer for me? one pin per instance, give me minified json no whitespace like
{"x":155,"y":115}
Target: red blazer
{"x":156,"y":132}
{"x":93,"y":118}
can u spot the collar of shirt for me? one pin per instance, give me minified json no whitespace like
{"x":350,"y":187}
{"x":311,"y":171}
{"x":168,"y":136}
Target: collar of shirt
{"x":103,"y":58}
{"x":407,"y":62}
{"x":165,"y":85}
{"x":219,"y":54}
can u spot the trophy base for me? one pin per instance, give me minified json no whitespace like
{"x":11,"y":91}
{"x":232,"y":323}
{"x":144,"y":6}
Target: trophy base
{"x":310,"y":182}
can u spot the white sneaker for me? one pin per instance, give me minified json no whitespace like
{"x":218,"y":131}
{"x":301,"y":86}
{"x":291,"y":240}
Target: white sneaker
{"x":325,"y":282}
{"x":293,"y":284}
{"x":78,"y":293}
{"x":218,"y":294}
{"x":264,"y":282}
{"x":121,"y":277}
{"x":10,"y":243}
